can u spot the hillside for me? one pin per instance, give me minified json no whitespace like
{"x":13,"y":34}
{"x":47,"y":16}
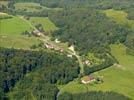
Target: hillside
{"x":66,"y":49}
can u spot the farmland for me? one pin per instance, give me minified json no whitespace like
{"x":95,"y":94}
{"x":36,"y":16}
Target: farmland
{"x":122,"y":76}
{"x":29,"y":7}
{"x":33,"y":7}
{"x":13,"y":26}
{"x":19,"y":42}
{"x":45,"y":22}
{"x":11,"y":30}
{"x":120,"y":17}
{"x":66,"y":49}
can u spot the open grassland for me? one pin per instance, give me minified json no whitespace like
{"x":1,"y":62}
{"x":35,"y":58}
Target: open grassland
{"x":118,"y":78}
{"x":19,"y":42}
{"x":13,"y":26}
{"x":11,"y":33}
{"x":120,"y":17}
{"x":48,"y":26}
{"x":30,"y":7}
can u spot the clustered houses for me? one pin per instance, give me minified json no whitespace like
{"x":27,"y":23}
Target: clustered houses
{"x":88,"y":79}
{"x":50,"y":46}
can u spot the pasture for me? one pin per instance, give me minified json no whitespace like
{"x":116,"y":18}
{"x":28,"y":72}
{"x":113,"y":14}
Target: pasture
{"x":120,"y":17}
{"x":13,"y":26}
{"x":11,"y":33}
{"x":47,"y":24}
{"x":18,"y":42}
{"x":29,"y":7}
{"x":118,"y":78}
{"x":33,"y":7}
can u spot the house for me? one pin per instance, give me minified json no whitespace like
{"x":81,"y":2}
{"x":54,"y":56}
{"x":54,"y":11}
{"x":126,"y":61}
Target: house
{"x":70,"y":56}
{"x":88,"y":79}
{"x":49,"y":46}
{"x":57,"y":41}
{"x":87,"y":62}
{"x":37,"y":33}
{"x":71,"y":48}
{"x":61,"y":50}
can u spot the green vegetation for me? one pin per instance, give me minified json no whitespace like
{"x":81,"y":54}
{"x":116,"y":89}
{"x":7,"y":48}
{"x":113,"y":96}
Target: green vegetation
{"x":19,"y":42}
{"x":47,"y":25}
{"x":94,"y":60}
{"x":120,"y":17}
{"x":29,"y":7}
{"x":121,"y":74}
{"x":13,"y":26}
{"x":93,"y":96}
{"x":101,"y":32}
{"x":47,"y":67}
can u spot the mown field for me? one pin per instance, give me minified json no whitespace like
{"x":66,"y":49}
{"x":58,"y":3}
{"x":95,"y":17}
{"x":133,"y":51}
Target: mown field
{"x":19,"y":42}
{"x":118,"y":78}
{"x":11,"y":30}
{"x":13,"y":26}
{"x":45,"y":22}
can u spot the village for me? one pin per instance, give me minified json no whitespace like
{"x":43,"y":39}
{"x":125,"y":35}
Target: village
{"x":89,"y":79}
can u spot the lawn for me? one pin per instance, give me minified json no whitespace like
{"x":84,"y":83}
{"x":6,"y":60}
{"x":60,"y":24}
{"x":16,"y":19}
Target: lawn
{"x":118,"y":78}
{"x":13,"y":26}
{"x":47,"y":24}
{"x":120,"y":17}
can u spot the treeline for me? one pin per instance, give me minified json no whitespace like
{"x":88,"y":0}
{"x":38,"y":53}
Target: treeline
{"x":15,"y":64}
{"x":89,"y":30}
{"x":93,"y":96}
{"x":108,"y":61}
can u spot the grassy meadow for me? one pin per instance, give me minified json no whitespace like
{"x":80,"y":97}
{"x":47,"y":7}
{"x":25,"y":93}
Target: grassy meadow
{"x":120,"y":17}
{"x":19,"y":42}
{"x":32,"y":7}
{"x":29,"y":7}
{"x":11,"y":30}
{"x":13,"y":26}
{"x":118,"y":78}
{"x":45,"y":22}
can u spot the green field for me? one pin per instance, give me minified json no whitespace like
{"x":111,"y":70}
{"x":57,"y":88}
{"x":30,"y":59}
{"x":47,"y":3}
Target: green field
{"x":118,"y":78}
{"x":32,"y":7}
{"x":13,"y":26}
{"x":11,"y":33}
{"x":29,"y":7}
{"x":45,"y":22}
{"x":19,"y":42}
{"x":120,"y":17}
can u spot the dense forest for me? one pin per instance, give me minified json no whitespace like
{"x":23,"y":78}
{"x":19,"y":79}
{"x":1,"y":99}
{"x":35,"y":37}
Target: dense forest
{"x":14,"y":64}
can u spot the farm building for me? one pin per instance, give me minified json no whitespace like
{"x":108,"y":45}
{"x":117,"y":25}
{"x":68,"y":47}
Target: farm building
{"x":88,"y":79}
{"x":70,"y":56}
{"x":57,"y":41}
{"x":49,"y":46}
{"x":37,"y":33}
{"x":86,"y":62}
